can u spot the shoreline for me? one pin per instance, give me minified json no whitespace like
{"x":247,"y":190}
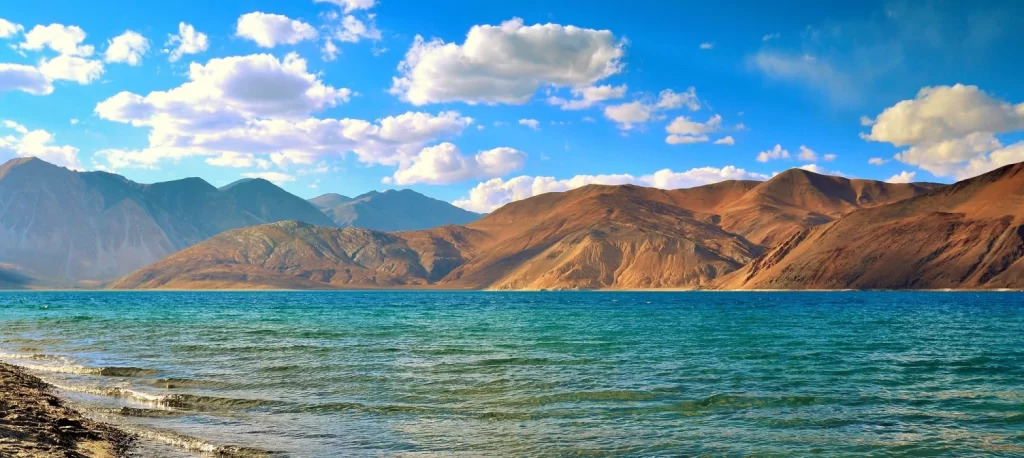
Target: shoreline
{"x":35,"y":422}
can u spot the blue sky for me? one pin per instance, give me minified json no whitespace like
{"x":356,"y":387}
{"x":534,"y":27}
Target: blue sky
{"x":666,"y":94}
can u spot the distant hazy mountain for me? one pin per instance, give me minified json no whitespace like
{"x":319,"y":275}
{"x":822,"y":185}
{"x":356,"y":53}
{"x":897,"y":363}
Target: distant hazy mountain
{"x":402,"y":210}
{"x":69,"y":226}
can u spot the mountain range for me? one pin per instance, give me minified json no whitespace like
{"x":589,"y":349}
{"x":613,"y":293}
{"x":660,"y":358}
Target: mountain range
{"x":64,"y":228}
{"x":797,"y":230}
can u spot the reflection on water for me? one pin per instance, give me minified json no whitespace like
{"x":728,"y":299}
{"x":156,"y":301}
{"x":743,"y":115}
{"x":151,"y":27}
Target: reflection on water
{"x":327,"y":373}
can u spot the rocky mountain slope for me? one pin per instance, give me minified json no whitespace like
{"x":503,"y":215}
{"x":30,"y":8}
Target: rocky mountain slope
{"x":967,"y":235}
{"x":594,"y":237}
{"x":78,"y":226}
{"x":392,"y":210}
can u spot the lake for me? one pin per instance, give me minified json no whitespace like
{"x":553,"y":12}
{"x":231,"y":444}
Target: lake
{"x":538,"y":374}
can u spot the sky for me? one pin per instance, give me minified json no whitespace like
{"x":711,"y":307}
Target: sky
{"x":483,"y":103}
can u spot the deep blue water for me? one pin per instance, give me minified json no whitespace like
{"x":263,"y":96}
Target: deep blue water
{"x":540,"y":374}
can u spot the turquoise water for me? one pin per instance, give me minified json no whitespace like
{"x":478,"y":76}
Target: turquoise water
{"x":540,"y":374}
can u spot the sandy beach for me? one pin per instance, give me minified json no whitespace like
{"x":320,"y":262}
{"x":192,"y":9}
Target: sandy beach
{"x":35,"y":423}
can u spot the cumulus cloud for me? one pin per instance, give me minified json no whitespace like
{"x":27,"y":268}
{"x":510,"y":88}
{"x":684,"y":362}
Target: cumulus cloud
{"x":815,"y":168}
{"x":507,"y":63}
{"x":588,"y":96}
{"x":187,"y":41}
{"x":627,"y":115}
{"x":445,"y":164}
{"x":269,"y":30}
{"x":71,"y":68}
{"x":950,"y":130}
{"x":778,"y":152}
{"x":902,"y":177}
{"x":489,"y":195}
{"x":37,"y":143}
{"x":129,"y":47}
{"x":727,"y":140}
{"x":682,"y":130}
{"x":25,"y":78}
{"x":943,"y":113}
{"x":807,"y":154}
{"x":9,"y":29}
{"x":352,"y":30}
{"x":707,"y":45}
{"x":877,"y":161}
{"x":349,"y":6}
{"x":531,"y":123}
{"x":65,"y":40}
{"x":770,"y":36}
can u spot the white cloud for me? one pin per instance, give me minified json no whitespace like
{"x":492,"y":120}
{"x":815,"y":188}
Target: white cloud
{"x":778,"y":152}
{"x":329,"y":51}
{"x":506,"y":63}
{"x":727,"y":140}
{"x":902,"y":177}
{"x":38,"y":143}
{"x":829,"y":157}
{"x":129,"y":47}
{"x":682,"y":130}
{"x":815,"y":168}
{"x":349,"y":6}
{"x":589,"y":119}
{"x":943,"y":113}
{"x":74,"y":121}
{"x":71,"y":68}
{"x":670,"y":100}
{"x":950,"y":130}
{"x":770,"y":36}
{"x":627,"y":115}
{"x":26,"y":78}
{"x":231,"y":159}
{"x":588,"y":96}
{"x":9,"y":29}
{"x":274,"y":177}
{"x":531,"y":123}
{"x":489,"y":195}
{"x":707,"y":45}
{"x":807,"y":154}
{"x":877,"y":161}
{"x":352,"y":30}
{"x":187,"y":41}
{"x":66,"y":40}
{"x":445,"y":164}
{"x":808,"y":70}
{"x":269,"y":30}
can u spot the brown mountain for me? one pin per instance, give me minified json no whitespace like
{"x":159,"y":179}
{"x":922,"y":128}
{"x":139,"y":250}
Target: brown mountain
{"x":72,"y":226}
{"x":967,"y":235}
{"x":294,"y":255}
{"x":593,"y":237}
{"x":391,"y":210}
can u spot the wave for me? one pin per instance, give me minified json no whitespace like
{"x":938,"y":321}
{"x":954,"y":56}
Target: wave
{"x":142,"y":413}
{"x":176,"y":401}
{"x":197,"y":445}
{"x":109,"y":371}
{"x":171,"y":383}
{"x":32,"y":357}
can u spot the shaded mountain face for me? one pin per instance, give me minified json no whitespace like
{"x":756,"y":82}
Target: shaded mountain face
{"x":401,"y":210}
{"x":595,"y":237}
{"x":71,"y":226}
{"x":967,"y":235}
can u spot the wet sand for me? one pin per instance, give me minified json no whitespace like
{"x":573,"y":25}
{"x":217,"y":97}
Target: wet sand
{"x":36,"y":423}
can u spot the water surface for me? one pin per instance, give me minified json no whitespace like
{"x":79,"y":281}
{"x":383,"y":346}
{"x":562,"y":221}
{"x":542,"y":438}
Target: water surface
{"x":540,"y":374}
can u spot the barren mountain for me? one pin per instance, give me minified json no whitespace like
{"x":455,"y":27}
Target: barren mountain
{"x":392,"y":210}
{"x":70,"y":226}
{"x":295,"y":255}
{"x":594,"y":237}
{"x":967,"y":235}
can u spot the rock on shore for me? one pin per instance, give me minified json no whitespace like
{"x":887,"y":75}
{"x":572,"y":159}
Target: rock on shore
{"x":35,"y":423}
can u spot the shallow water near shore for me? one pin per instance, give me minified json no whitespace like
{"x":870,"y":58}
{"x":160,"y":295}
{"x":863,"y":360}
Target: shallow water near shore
{"x":537,"y":374}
